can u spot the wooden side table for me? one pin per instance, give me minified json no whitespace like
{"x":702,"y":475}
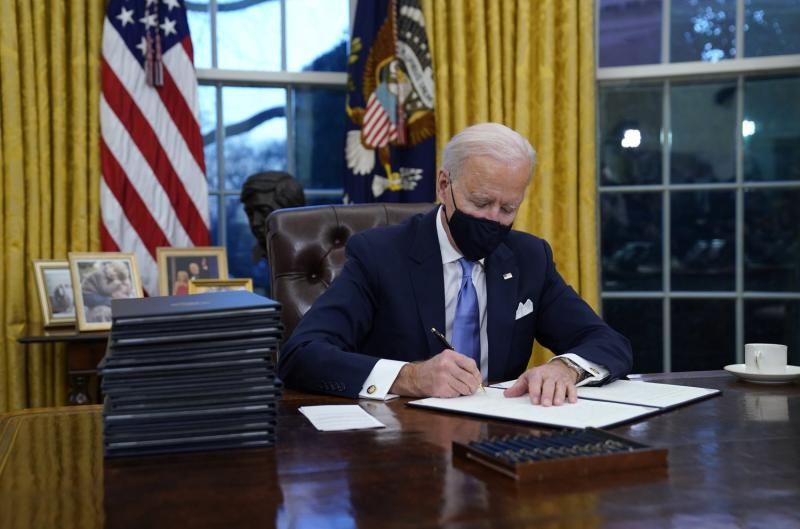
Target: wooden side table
{"x":84,"y":352}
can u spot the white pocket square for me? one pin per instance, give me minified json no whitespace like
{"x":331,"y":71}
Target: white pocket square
{"x":523,"y":309}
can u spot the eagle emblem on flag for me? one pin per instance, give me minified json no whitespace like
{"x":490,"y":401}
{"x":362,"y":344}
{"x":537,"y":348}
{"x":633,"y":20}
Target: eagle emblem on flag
{"x":390,"y":144}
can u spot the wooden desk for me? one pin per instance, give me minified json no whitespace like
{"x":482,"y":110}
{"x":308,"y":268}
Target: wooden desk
{"x":84,"y":352}
{"x":734,"y":462}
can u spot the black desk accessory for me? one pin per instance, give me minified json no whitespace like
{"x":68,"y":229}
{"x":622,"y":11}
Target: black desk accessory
{"x":562,"y":453}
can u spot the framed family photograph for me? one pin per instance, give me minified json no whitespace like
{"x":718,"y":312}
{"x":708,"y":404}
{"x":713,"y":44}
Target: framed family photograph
{"x":178,"y":266}
{"x":201,"y":286}
{"x":54,"y":285}
{"x":97,"y":278}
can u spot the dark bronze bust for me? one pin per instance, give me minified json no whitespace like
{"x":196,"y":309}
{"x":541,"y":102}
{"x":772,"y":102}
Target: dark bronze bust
{"x":263,"y":193}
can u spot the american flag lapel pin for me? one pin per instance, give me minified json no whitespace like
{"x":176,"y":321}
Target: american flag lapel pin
{"x":507,"y":275}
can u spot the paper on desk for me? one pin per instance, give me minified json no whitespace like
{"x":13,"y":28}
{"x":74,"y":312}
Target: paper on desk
{"x":340,"y":417}
{"x":655,"y":395}
{"x":582,"y":414}
{"x":645,"y":393}
{"x":503,"y":385}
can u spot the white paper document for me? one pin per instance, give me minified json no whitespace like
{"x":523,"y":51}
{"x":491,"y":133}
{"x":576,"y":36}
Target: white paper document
{"x":582,"y":414}
{"x":645,"y":393}
{"x":340,"y":417}
{"x":650,"y":394}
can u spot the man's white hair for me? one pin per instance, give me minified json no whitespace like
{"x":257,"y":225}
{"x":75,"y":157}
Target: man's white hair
{"x":487,"y":139}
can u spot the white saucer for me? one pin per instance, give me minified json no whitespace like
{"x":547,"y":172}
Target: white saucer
{"x":740,"y":370}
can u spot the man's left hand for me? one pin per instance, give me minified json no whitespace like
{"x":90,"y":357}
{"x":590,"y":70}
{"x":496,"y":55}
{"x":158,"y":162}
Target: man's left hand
{"x":548,"y":384}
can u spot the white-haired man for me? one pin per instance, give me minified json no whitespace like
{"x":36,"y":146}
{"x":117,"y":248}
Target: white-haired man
{"x":459,"y":269}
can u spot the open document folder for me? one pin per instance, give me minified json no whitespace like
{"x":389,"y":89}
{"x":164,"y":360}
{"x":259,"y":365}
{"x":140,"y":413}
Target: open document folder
{"x":597,"y":407}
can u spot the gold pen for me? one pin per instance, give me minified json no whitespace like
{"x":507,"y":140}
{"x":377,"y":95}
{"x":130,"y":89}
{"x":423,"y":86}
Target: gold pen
{"x":447,"y":345}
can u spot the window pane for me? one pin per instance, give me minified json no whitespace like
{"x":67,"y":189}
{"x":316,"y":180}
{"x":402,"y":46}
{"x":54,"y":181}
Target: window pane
{"x":703,"y":240}
{"x":239,"y":244}
{"x":255,"y":132}
{"x":630,"y":134}
{"x":249,"y":35}
{"x":774,"y":321}
{"x":703,"y":334}
{"x":639,"y":320}
{"x":703,"y":133}
{"x":703,"y":30}
{"x":772,"y":240}
{"x":319,"y":116}
{"x":771,"y":129}
{"x":207,"y":98}
{"x":772,"y":27}
{"x":328,"y":23}
{"x":630,"y":32}
{"x":631,"y":241}
{"x":199,"y":14}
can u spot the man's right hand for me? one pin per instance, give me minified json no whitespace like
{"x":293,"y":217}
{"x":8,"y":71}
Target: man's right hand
{"x":448,"y":374}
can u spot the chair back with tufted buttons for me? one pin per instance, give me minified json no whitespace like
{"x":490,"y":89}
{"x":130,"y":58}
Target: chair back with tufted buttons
{"x":305,"y":248}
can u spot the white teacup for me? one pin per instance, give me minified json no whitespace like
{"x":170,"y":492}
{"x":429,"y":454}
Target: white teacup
{"x":765,"y":358}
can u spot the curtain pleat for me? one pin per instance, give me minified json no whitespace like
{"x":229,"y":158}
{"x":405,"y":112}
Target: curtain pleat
{"x":49,"y":174}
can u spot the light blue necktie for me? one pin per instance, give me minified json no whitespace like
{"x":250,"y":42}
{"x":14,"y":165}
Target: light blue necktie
{"x":466,"y":324}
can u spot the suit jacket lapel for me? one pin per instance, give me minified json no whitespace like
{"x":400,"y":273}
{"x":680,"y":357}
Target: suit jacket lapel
{"x":501,"y":301}
{"x":427,"y":279}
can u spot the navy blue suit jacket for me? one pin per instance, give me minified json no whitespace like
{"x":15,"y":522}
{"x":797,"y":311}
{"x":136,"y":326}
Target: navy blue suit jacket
{"x":391,"y":292}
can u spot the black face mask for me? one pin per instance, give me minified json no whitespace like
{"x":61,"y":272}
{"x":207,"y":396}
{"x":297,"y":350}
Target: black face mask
{"x":475,"y":237}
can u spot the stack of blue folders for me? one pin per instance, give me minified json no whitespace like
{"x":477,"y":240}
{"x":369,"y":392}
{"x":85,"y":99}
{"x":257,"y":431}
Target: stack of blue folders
{"x":190,"y":373}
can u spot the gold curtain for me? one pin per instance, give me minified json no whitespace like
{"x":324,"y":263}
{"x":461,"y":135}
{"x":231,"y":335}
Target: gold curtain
{"x":49,"y":173}
{"x":528,"y":64}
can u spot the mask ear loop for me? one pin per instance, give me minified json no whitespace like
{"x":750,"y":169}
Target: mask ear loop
{"x":450,"y":181}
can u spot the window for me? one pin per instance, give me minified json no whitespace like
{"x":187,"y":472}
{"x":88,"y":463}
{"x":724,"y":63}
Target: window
{"x":699,"y":177}
{"x":272,"y":77}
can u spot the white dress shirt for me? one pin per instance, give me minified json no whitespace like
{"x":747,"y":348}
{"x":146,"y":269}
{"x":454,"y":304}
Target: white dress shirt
{"x":385,"y":371}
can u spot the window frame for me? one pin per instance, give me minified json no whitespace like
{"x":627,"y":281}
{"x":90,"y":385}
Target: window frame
{"x":287,"y":80}
{"x":736,"y":69}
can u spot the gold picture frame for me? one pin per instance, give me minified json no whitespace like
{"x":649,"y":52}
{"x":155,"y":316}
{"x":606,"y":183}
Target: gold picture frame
{"x":97,"y":278}
{"x":54,"y":286}
{"x":201,"y":286}
{"x":178,"y":266}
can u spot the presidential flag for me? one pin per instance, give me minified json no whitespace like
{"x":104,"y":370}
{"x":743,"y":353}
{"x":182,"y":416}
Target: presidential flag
{"x":153,"y":189}
{"x":390,"y":148}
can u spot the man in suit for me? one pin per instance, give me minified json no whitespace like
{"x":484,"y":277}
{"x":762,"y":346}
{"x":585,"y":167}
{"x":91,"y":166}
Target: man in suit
{"x":462,"y":270}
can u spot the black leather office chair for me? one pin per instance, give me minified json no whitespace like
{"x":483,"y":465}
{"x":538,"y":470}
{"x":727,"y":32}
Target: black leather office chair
{"x":305,"y":248}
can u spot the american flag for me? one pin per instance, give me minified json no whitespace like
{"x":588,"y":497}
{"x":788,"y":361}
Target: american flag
{"x":153,"y":191}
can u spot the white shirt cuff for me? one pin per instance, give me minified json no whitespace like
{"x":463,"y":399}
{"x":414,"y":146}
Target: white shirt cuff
{"x":380,"y":379}
{"x":596,"y":371}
